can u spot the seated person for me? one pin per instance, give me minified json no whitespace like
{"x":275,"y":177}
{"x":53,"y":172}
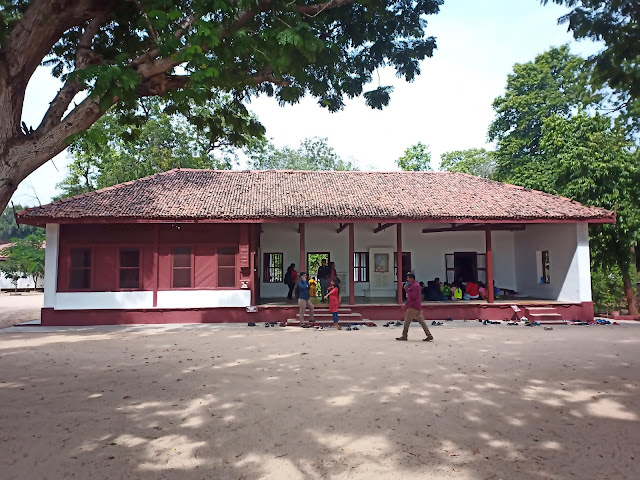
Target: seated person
{"x":446,"y":291}
{"x":456,"y":292}
{"x":433,"y":292}
{"x":482,"y":291}
{"x":423,"y":290}
{"x":471,"y":291}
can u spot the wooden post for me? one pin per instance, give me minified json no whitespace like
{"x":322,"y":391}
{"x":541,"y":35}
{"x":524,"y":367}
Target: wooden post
{"x":352,"y":286}
{"x":399,"y":260}
{"x":303,"y":256}
{"x":487,"y":233}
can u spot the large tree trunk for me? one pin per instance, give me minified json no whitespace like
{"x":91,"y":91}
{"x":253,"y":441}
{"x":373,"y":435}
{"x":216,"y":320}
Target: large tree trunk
{"x":628,"y":286}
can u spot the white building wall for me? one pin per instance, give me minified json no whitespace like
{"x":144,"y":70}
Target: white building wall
{"x":568,"y":246}
{"x":6,"y":284}
{"x":203,"y":298}
{"x":167,"y":299}
{"x":427,"y":250}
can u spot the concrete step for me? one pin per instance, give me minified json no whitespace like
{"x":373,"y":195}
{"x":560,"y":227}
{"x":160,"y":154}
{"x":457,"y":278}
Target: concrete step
{"x":293,"y":322}
{"x":541,"y":310}
{"x":326,"y":310}
{"x":330,"y":315}
{"x":546,"y":318}
{"x":349,"y":317}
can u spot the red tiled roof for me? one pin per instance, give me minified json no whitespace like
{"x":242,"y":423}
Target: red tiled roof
{"x":281,"y":194}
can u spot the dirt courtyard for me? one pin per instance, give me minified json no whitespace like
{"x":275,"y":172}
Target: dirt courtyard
{"x":233,"y":402}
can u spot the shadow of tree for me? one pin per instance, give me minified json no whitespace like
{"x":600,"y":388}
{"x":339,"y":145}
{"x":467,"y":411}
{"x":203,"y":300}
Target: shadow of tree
{"x":212,"y":402}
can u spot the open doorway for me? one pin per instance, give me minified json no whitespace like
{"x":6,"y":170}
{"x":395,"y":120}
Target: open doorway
{"x":314,"y":260}
{"x":466,"y":267}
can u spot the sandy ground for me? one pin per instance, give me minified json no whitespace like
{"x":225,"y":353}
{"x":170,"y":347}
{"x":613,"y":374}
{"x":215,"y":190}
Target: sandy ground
{"x":232,"y":402}
{"x":24,"y":307}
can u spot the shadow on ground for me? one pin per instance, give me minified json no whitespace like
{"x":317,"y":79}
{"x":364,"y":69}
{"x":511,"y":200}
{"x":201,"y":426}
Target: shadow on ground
{"x":239,"y":403}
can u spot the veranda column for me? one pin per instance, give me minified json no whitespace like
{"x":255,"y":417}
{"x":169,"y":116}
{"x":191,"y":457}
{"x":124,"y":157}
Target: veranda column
{"x":156,"y":263}
{"x":487,"y":233}
{"x":399,"y":260}
{"x":352,"y":285}
{"x":303,"y":257}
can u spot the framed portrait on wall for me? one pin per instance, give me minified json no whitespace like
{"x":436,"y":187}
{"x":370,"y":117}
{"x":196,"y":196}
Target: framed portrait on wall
{"x":381,"y":262}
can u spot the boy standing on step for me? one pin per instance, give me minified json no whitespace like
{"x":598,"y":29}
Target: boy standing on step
{"x":414,"y":308}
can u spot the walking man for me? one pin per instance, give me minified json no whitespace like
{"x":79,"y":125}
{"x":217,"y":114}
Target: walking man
{"x":324,"y":271}
{"x":414,"y":308}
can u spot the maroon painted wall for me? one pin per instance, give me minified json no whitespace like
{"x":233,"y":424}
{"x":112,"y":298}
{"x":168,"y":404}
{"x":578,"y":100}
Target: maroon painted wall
{"x":106,"y":239}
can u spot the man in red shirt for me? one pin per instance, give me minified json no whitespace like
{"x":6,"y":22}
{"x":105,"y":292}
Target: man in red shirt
{"x":414,"y":308}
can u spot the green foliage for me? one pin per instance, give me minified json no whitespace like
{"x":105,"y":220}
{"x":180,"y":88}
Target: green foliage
{"x":606,"y":288}
{"x":617,"y":25}
{"x":330,"y":54}
{"x":416,"y":158}
{"x":594,"y":163}
{"x":312,"y":154}
{"x":121,"y":147}
{"x":25,"y":258}
{"x":474,"y":161}
{"x":9,"y":228}
{"x":555,"y":83}
{"x":549,"y":138}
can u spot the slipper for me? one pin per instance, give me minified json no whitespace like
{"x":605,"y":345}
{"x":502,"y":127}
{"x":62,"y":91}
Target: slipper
{"x":251,"y":324}
{"x":266,"y":325}
{"x":433,"y":323}
{"x":355,"y":328}
{"x":548,"y":328}
{"x":348,"y":328}
{"x":398,"y":324}
{"x":385,"y":325}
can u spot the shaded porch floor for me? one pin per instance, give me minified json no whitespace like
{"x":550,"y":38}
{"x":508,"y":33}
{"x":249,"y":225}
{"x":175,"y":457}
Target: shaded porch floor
{"x":392,"y":301}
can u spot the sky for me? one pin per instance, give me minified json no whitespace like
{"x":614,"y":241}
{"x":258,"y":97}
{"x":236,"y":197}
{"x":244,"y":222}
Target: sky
{"x":447,"y":107}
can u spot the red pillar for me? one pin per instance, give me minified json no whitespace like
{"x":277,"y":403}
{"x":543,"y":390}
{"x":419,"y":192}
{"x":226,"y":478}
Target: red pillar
{"x":352,"y":286}
{"x":303,"y":256}
{"x":156,"y":262}
{"x":399,"y":260}
{"x":487,"y":234}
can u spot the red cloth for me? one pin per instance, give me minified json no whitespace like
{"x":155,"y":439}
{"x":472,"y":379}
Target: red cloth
{"x":294,"y":277}
{"x":334,"y":299}
{"x":471,"y":289}
{"x":414,"y":296}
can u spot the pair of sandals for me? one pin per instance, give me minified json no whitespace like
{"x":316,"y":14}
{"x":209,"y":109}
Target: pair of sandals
{"x":436,"y":324}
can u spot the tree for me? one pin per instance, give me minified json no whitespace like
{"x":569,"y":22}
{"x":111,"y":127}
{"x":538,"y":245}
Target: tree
{"x":555,"y":83}
{"x":594,"y":163}
{"x":114,"y":53}
{"x":475,"y":161}
{"x":617,"y":25}
{"x":9,"y":228}
{"x":116,"y":149}
{"x":416,"y":158}
{"x":25,"y":258}
{"x":313,"y":154}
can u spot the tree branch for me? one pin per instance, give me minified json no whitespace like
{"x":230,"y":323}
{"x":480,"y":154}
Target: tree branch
{"x":84,"y":56}
{"x":314,"y":10}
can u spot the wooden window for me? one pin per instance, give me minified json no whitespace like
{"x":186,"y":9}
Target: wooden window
{"x":129,"y":268}
{"x":545,"y":277}
{"x":272,"y":267}
{"x":182,"y":262}
{"x":80,"y":275}
{"x":226,"y":267}
{"x":361,"y":266}
{"x":481,"y":268}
